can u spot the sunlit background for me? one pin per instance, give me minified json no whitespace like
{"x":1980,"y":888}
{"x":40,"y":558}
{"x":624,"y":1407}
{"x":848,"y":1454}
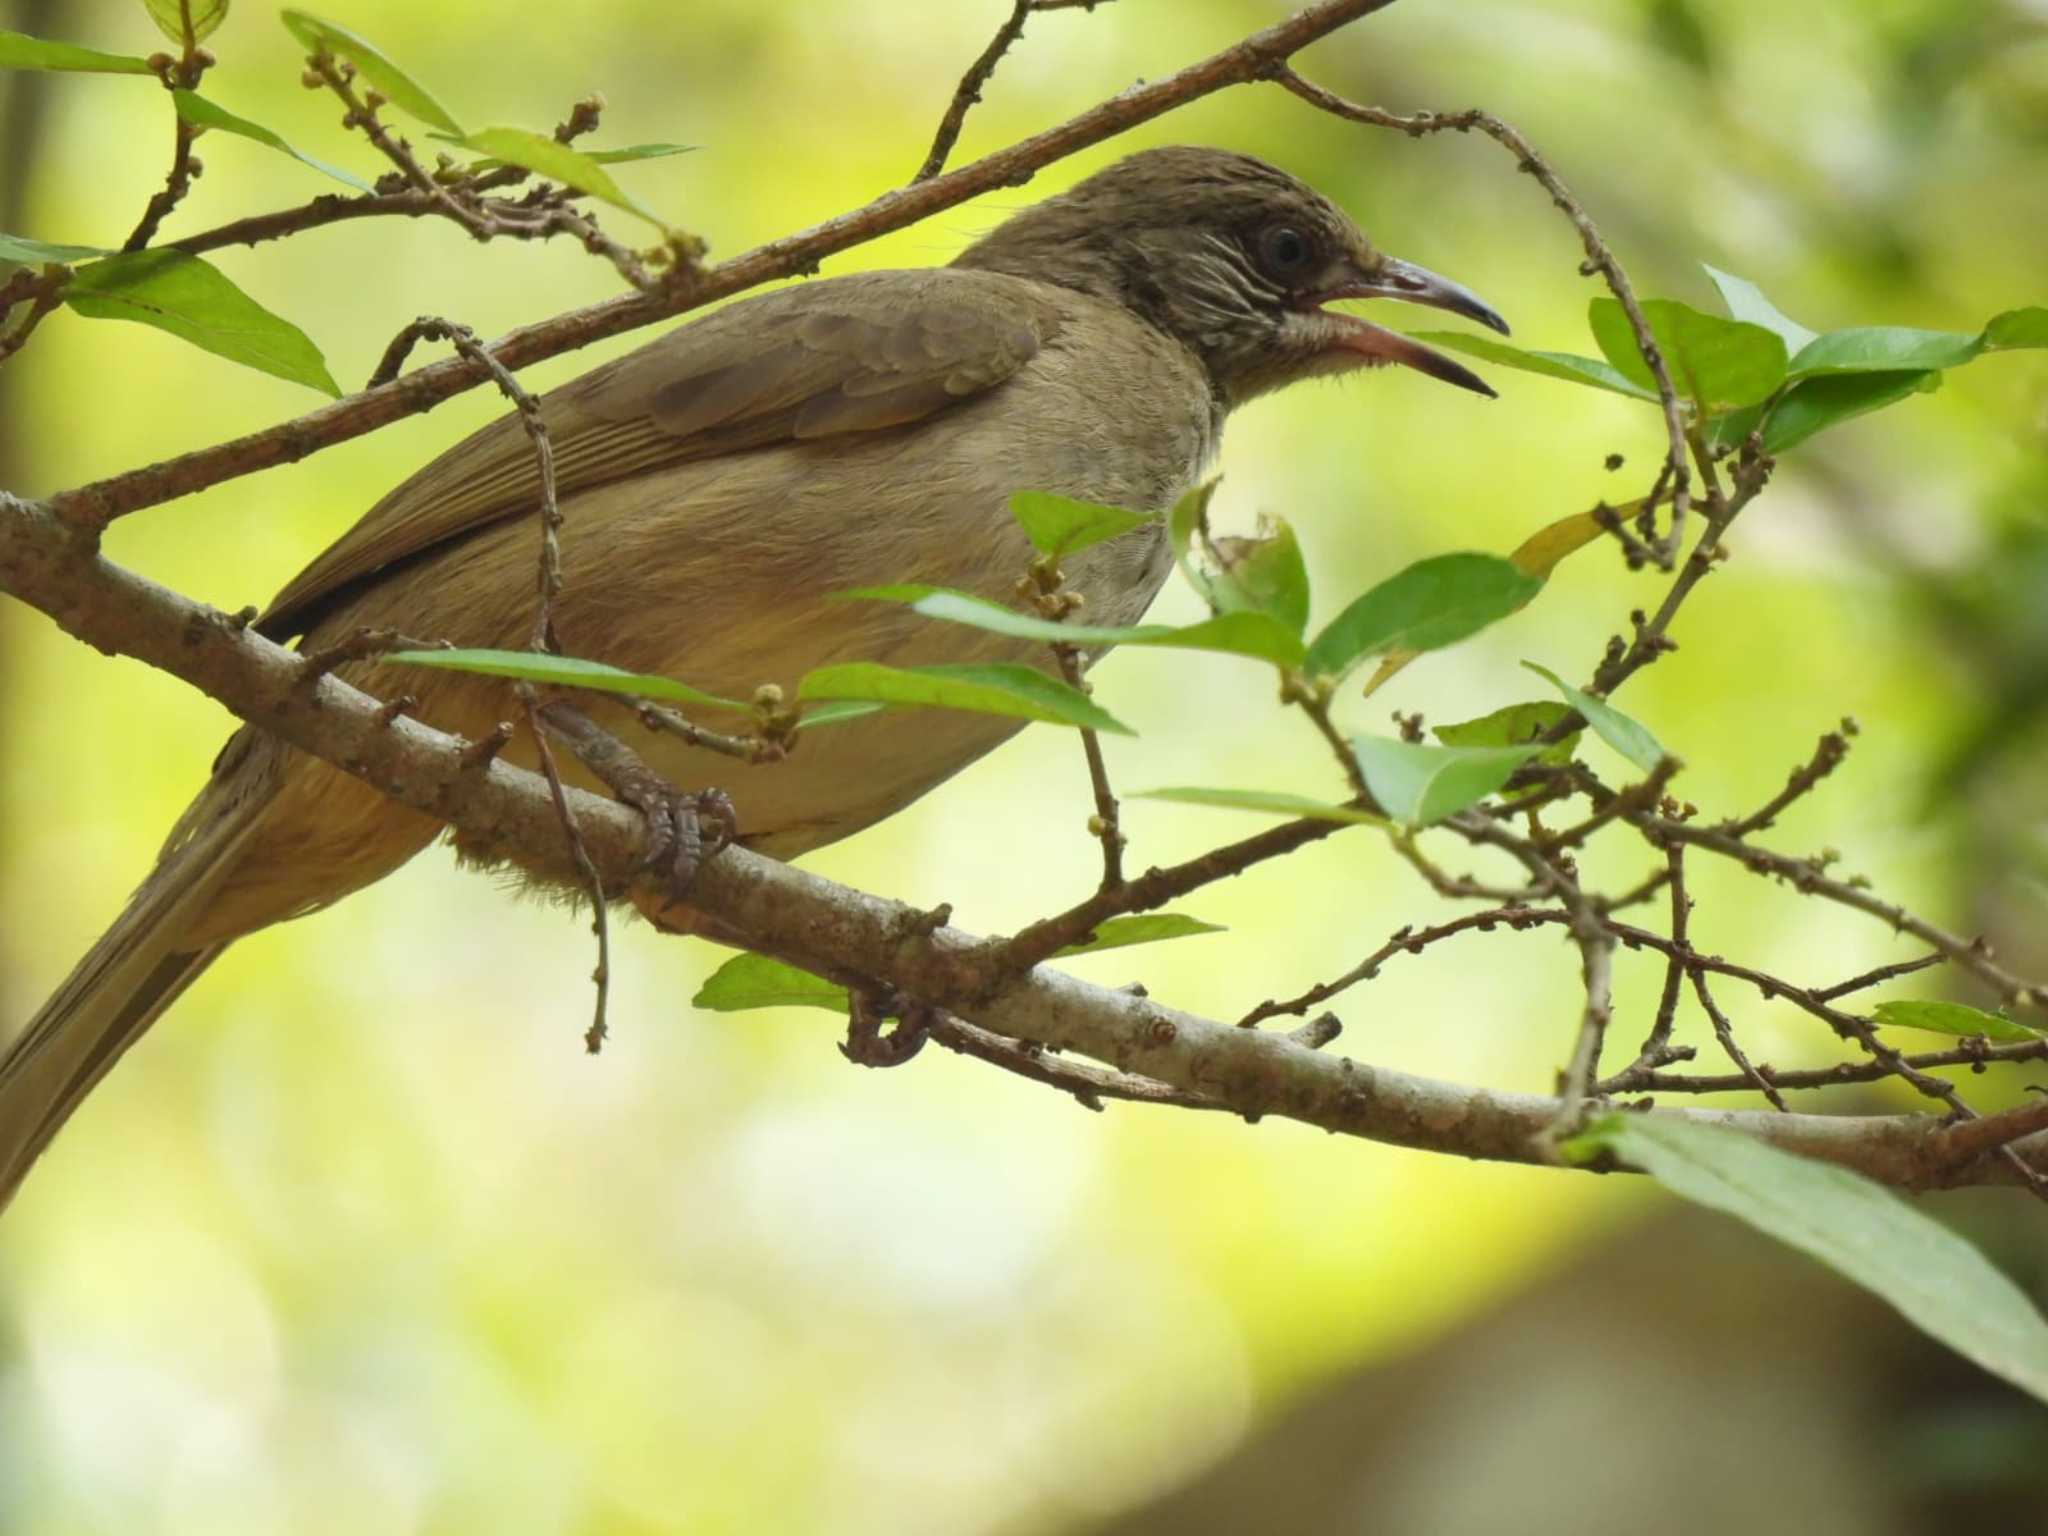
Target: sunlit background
{"x":359,"y":1240}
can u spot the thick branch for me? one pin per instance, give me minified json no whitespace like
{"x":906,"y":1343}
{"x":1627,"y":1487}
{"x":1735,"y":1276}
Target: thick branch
{"x":793,"y":912}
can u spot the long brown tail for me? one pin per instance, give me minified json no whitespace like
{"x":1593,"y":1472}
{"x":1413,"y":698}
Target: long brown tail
{"x":137,"y":970}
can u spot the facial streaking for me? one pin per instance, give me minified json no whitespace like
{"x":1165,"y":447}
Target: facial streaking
{"x":1236,"y":259}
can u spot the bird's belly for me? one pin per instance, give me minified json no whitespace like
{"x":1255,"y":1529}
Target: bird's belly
{"x":725,"y":574}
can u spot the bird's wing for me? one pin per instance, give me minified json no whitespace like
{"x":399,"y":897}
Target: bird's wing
{"x":854,"y":354}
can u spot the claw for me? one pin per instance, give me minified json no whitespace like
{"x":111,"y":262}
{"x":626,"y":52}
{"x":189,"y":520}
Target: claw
{"x":867,"y":1046}
{"x":677,"y":823}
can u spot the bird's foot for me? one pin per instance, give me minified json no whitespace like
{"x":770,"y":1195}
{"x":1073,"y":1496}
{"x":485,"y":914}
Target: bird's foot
{"x":685,"y":827}
{"x":866,"y":1045}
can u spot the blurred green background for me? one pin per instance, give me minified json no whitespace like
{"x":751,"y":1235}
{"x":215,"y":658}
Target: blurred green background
{"x":360,"y":1240}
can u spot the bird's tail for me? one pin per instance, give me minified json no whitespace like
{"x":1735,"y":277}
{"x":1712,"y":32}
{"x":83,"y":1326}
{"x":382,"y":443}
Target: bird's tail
{"x":137,"y":970}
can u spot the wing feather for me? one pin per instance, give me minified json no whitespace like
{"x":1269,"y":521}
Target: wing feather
{"x":862,"y":353}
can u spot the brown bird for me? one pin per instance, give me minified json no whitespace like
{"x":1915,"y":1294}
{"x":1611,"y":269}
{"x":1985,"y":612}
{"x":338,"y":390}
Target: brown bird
{"x":720,"y":483}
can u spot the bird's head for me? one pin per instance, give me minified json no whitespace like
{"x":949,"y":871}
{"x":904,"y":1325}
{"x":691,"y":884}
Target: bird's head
{"x":1236,"y":259}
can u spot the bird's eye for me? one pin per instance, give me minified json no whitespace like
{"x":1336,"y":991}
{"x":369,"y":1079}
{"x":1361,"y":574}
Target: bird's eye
{"x":1285,"y":251}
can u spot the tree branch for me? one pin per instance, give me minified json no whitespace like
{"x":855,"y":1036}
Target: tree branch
{"x":794,"y":913}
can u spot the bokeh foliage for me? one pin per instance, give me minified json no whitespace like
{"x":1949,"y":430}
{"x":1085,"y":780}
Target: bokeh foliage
{"x":360,"y":1240}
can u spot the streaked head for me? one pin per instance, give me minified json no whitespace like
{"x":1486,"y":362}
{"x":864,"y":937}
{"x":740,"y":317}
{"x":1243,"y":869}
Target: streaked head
{"x":1235,"y":258}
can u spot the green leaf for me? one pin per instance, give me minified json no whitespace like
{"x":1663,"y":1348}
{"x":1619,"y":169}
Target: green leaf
{"x":34,"y":253}
{"x":571,"y":167}
{"x":1814,"y":405}
{"x":1140,"y":928}
{"x":1551,"y":365}
{"x":836,"y":713}
{"x":1515,"y":726}
{"x":567,"y":672}
{"x":639,"y":152}
{"x":1258,"y":635}
{"x":391,"y":82}
{"x":1241,"y":634}
{"x":1884,"y":349}
{"x":1057,"y":526}
{"x":1432,"y":603}
{"x":1936,"y":1280}
{"x":601,"y":156}
{"x":1421,"y":785}
{"x":988,"y":688}
{"x":1264,"y":575}
{"x":197,"y":110}
{"x":183,"y":295}
{"x":1187,"y":523}
{"x":2017,"y":328}
{"x":1631,"y":739}
{"x":1274,"y":802}
{"x":755,"y":981}
{"x":1746,"y":302}
{"x":1956,"y":1019}
{"x":1720,"y":365}
{"x":170,"y":17}
{"x":18,"y":51}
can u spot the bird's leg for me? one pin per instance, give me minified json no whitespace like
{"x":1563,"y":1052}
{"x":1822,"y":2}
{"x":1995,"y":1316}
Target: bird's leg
{"x":866,"y":1045}
{"x":685,"y":827}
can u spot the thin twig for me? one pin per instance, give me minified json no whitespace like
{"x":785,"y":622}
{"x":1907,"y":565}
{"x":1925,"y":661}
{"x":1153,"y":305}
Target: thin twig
{"x":1599,"y":259}
{"x":1106,"y":825}
{"x":969,"y":90}
{"x":1975,"y":1056}
{"x":93,"y":506}
{"x":1725,"y":1033}
{"x":600,"y":920}
{"x":1407,"y":940}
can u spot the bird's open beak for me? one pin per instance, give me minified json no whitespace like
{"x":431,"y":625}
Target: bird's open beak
{"x":1392,"y":279}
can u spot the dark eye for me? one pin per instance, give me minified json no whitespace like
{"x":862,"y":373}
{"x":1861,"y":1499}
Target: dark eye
{"x":1285,"y":251}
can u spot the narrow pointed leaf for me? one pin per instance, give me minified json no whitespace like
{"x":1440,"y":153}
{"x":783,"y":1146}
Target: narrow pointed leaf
{"x":1545,"y":549}
{"x":391,"y":82}
{"x":632,"y":152}
{"x":1939,"y":1282}
{"x":1421,"y":785}
{"x":1272,"y":802}
{"x":1551,"y":365}
{"x":23,"y":251}
{"x":1241,"y":634}
{"x":755,"y":981}
{"x":1628,"y":737}
{"x":1884,"y":349}
{"x":567,"y":672}
{"x":1746,"y":301}
{"x":1432,"y":603}
{"x":183,"y":295}
{"x":836,"y":713}
{"x":19,"y":51}
{"x":558,"y":162}
{"x":1955,"y":1019}
{"x":1140,"y":928}
{"x":170,"y":16}
{"x":196,"y":109}
{"x":990,"y":688}
{"x":1057,"y":526}
{"x":1720,"y":365}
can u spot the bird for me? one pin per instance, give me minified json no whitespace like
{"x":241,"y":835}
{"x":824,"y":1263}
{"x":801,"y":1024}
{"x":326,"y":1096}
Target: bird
{"x":720,"y":485}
